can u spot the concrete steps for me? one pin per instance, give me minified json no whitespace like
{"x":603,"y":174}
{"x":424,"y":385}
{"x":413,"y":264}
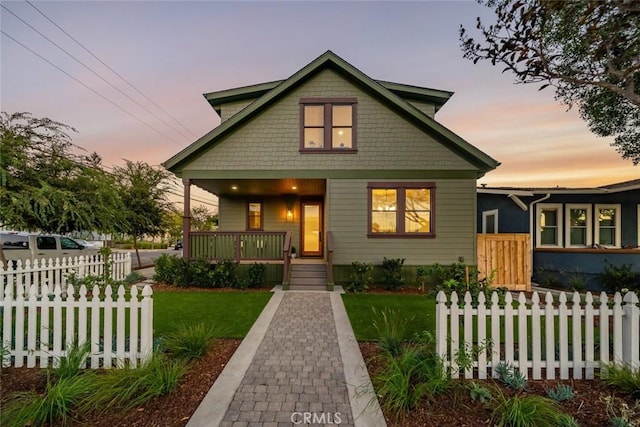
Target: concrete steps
{"x":308,"y":277}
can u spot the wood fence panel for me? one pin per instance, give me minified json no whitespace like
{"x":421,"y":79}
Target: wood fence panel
{"x":566,"y":348}
{"x":65,"y":319}
{"x":508,"y":257}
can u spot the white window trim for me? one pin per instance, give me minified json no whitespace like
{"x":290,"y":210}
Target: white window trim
{"x":549,"y":206}
{"x":596,"y":217}
{"x":567,"y":225}
{"x":487,"y":214}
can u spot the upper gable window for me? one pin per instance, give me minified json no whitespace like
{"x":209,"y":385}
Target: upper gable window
{"x":328,"y":125}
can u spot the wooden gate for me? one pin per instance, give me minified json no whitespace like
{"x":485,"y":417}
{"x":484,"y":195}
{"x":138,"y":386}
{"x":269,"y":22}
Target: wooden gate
{"x":509,"y":257}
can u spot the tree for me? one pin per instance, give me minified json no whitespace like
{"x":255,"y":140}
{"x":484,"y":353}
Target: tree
{"x":143,"y":190}
{"x":202,"y":219}
{"x":588,"y":50}
{"x":47,"y":184}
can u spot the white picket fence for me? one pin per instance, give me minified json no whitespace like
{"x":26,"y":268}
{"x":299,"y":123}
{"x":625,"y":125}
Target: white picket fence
{"x":56,"y":271}
{"x":554,"y":338}
{"x":39,"y":325}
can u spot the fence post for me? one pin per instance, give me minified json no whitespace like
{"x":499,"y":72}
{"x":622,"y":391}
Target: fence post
{"x":482,"y":336}
{"x":441,"y":325}
{"x":146,"y":324}
{"x":468,"y":332}
{"x":576,"y":327}
{"x":7,"y":330}
{"x":549,"y":333}
{"x":455,"y":333}
{"x":630,"y":330}
{"x":617,"y":328}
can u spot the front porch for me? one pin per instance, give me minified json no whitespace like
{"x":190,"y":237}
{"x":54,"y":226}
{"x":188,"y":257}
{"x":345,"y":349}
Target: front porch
{"x":269,"y":221}
{"x":265,"y":247}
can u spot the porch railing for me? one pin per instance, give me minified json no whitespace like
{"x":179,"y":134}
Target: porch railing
{"x":238,"y":245}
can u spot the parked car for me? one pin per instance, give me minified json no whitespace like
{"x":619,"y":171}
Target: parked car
{"x":85,"y":243}
{"x":30,"y":246}
{"x":178,"y":245}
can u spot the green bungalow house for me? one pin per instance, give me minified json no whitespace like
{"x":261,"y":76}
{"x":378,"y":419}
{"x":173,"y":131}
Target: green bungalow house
{"x":329,"y":167}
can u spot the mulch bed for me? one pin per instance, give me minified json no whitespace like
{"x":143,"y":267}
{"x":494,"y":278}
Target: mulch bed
{"x":168,"y":411}
{"x":455,"y":408}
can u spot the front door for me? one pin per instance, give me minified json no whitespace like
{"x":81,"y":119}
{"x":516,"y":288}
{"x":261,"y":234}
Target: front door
{"x":312,"y":228}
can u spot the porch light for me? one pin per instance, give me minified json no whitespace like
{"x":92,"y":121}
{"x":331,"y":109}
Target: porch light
{"x":289,"y":200}
{"x":234,"y":187}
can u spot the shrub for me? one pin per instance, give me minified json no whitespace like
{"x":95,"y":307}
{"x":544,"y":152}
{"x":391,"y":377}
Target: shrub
{"x":189,"y":341}
{"x":199,"y":273}
{"x":392,"y":275}
{"x":60,"y":399}
{"x":478,"y":392}
{"x":422,"y":274}
{"x":622,"y":377}
{"x":254,"y":277}
{"x":615,"y":278}
{"x":511,"y":376}
{"x":391,"y":330}
{"x":225,"y":274}
{"x":560,"y":393}
{"x":127,"y":388}
{"x":361,"y":277}
{"x":526,"y":411}
{"x":133,"y":278}
{"x":165,"y":269}
{"x":460,"y":278}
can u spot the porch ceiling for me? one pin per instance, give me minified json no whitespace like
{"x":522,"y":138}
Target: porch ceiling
{"x":262,"y":187}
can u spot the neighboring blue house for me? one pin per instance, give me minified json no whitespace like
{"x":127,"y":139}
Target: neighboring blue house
{"x":574,"y":231}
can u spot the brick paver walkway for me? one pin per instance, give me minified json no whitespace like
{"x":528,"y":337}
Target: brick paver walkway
{"x":297,"y":370}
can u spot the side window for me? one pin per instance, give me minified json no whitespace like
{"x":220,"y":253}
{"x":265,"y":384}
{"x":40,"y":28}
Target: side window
{"x":14,"y":241}
{"x":490,"y":221}
{"x":254,"y":216}
{"x":549,"y":225}
{"x":66,"y":243}
{"x":46,"y":242}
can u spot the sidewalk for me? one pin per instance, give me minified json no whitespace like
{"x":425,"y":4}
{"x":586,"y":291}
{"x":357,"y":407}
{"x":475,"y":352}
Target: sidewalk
{"x":299,"y":364}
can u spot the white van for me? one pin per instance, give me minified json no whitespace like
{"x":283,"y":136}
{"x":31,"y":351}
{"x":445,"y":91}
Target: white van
{"x":30,"y":246}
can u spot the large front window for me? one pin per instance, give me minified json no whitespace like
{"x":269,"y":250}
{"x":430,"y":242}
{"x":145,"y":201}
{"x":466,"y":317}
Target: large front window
{"x":328,"y":125}
{"x":401,"y":209}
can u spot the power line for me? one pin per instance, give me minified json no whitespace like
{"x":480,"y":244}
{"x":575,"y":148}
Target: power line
{"x":112,"y":70}
{"x":97,"y":74}
{"x":90,"y":88}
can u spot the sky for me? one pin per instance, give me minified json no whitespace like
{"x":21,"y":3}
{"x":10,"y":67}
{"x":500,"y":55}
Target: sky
{"x":174,"y":51}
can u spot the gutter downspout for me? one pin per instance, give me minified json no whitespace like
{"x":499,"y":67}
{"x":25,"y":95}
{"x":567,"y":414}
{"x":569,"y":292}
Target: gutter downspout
{"x":531,"y":228}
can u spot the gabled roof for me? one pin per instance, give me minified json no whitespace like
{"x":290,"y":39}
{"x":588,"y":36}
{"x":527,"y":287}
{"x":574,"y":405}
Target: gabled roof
{"x":330,"y":60}
{"x":246,"y":93}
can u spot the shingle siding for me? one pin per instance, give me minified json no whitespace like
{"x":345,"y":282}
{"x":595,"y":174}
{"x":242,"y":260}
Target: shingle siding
{"x":231,"y":108}
{"x":270,"y":141}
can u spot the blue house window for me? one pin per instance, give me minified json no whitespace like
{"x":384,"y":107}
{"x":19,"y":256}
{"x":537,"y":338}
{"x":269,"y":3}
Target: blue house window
{"x":549,"y":230}
{"x":608,"y":225}
{"x":578,"y":225}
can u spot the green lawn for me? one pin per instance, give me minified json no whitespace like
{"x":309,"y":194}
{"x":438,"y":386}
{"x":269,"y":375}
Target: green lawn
{"x":359,"y":308}
{"x":232,"y":313}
